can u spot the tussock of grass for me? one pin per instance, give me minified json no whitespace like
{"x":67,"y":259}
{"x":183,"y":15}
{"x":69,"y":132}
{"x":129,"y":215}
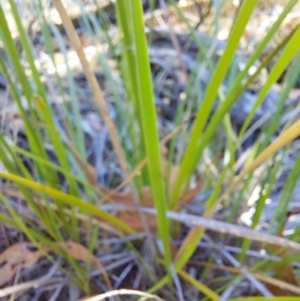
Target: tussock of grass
{"x":189,"y":156}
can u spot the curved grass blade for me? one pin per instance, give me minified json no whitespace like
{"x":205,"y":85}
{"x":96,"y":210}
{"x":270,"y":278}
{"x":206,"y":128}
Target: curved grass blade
{"x":222,"y":68}
{"x":291,"y":50}
{"x":200,"y":286}
{"x":68,"y":199}
{"x":234,"y":92}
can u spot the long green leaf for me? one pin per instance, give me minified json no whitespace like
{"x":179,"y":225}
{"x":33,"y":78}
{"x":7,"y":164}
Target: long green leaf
{"x":68,"y":199}
{"x":291,"y":50}
{"x":146,"y":105}
{"x":187,"y":165}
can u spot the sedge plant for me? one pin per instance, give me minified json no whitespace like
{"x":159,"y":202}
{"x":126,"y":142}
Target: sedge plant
{"x":57,"y":208}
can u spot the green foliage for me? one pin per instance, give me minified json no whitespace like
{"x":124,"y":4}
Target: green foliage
{"x":137,"y":68}
{"x":138,"y":112}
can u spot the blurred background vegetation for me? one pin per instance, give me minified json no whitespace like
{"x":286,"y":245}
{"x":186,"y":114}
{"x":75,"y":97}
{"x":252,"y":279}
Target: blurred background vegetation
{"x":149,"y":148}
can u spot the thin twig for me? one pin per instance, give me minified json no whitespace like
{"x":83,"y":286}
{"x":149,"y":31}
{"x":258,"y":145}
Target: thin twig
{"x":227,"y":228}
{"x":17,"y":288}
{"x":123,"y":292}
{"x":218,"y":226}
{"x":91,"y":78}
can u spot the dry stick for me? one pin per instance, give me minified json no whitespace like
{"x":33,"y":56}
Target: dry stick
{"x":234,"y":230}
{"x":223,"y":227}
{"x":100,"y":101}
{"x":218,"y":226}
{"x":18,"y":288}
{"x":123,"y":292}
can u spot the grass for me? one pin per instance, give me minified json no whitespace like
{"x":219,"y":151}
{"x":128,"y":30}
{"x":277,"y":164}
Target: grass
{"x":204,"y":145}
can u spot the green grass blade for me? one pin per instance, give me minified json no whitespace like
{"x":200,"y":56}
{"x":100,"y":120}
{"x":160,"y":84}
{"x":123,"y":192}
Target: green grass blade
{"x":148,"y":120}
{"x":291,"y":50}
{"x":33,"y":135}
{"x":67,"y":199}
{"x":187,"y":165}
{"x":285,"y":198}
{"x":75,"y":133}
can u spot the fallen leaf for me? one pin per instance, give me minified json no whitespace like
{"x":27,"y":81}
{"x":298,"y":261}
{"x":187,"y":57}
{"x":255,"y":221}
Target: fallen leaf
{"x":25,"y":255}
{"x":20,"y":255}
{"x":283,"y":271}
{"x":132,"y":217}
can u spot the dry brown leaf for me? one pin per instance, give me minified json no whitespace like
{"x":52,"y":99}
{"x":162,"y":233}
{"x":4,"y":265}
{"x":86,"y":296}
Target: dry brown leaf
{"x":79,"y":252}
{"x":20,"y":255}
{"x":25,"y":255}
{"x":283,"y":272}
{"x":132,"y":217}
